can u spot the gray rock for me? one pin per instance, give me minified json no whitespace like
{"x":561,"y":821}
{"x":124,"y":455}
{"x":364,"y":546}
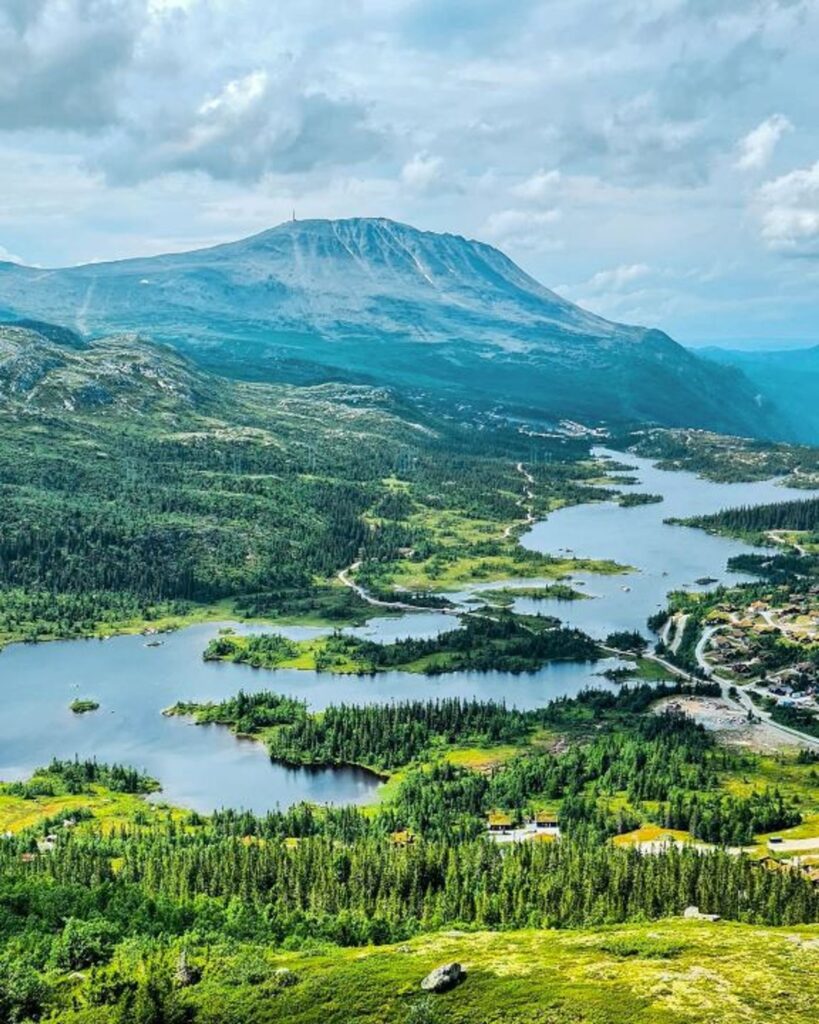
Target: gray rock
{"x":443,"y":978}
{"x":284,"y":977}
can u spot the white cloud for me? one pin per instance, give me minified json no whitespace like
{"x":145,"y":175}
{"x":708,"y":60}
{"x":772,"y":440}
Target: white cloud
{"x":788,"y":207}
{"x":62,"y":61}
{"x":757,"y":148}
{"x":617,"y":278}
{"x":423,"y":172}
{"x":539,"y":187}
{"x":524,"y":229}
{"x":9,"y":257}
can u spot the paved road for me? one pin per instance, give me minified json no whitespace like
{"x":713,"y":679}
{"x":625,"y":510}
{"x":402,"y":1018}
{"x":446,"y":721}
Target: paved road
{"x":743,"y":694}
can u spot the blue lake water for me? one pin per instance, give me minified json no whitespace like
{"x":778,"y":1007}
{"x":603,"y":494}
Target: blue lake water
{"x":206,"y":767}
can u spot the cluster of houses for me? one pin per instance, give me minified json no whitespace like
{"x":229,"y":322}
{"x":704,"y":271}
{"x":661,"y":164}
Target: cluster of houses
{"x":733,"y":646}
{"x":502,"y":828}
{"x":505,"y":828}
{"x":807,"y":866}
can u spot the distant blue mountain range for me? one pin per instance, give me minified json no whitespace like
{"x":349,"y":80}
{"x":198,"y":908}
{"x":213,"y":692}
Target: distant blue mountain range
{"x":786,"y":378}
{"x":371,"y":299}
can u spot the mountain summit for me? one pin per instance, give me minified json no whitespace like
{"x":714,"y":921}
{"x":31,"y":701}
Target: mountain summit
{"x":378,"y":300}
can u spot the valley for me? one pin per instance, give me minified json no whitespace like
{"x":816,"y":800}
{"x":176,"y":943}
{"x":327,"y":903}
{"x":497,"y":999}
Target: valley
{"x":299,"y":669}
{"x":409,"y":512}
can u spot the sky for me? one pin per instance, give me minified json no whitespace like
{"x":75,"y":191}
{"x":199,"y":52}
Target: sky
{"x":656,"y":161}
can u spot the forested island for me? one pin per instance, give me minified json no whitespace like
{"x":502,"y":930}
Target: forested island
{"x":504,"y":642}
{"x":81,"y":706}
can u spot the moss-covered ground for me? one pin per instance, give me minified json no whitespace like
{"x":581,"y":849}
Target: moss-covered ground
{"x":669,"y":972}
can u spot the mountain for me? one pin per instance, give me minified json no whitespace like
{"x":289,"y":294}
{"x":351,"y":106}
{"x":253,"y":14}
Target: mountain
{"x":376,"y":301}
{"x":788,"y":378}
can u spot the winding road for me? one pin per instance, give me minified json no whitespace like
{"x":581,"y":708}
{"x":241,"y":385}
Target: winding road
{"x":346,"y":575}
{"x":525,"y":501}
{"x":743,"y":698}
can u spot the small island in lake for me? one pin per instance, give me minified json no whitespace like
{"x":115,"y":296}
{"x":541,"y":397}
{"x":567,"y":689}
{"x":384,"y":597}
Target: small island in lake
{"x":631,"y":500}
{"x":81,"y":707}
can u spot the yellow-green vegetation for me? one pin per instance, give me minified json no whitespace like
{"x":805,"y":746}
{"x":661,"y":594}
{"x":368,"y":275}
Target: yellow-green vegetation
{"x":547,"y":592}
{"x":669,"y":972}
{"x":653,"y":834}
{"x":484,"y":759}
{"x":466,"y":551}
{"x":795,"y":776}
{"x":108,"y":809}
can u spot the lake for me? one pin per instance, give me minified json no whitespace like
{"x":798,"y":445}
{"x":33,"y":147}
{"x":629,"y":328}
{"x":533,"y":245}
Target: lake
{"x":207,"y":767}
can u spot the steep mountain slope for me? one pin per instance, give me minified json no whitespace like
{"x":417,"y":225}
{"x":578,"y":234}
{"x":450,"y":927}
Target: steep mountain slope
{"x":789,"y":379}
{"x":380,"y":301}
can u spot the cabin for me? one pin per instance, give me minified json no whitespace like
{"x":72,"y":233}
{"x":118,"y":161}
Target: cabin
{"x":547,"y":823}
{"x":403,"y":837}
{"x":498,"y":822}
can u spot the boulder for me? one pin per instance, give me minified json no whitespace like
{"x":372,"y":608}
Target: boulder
{"x":694,"y":914}
{"x":284,"y":977}
{"x":443,"y":978}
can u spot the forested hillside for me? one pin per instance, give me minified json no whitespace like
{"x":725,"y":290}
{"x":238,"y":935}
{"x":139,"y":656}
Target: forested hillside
{"x":134,"y":486}
{"x":167,"y":916}
{"x":754,"y":519}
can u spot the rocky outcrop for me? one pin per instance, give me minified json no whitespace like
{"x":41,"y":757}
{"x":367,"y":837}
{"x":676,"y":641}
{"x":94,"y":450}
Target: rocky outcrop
{"x":443,"y":978}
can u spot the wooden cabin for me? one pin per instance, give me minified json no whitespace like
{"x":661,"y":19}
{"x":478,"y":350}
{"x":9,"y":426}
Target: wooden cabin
{"x":546,"y":819}
{"x":498,"y":822}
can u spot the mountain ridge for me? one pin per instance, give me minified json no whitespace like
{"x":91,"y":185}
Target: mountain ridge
{"x":382,"y":300}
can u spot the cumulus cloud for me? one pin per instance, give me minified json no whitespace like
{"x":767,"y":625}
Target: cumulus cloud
{"x":61,"y":62}
{"x":789,"y":211}
{"x":9,"y":257}
{"x":252,"y":126}
{"x":757,"y":148}
{"x":541,"y":186}
{"x":617,"y":278}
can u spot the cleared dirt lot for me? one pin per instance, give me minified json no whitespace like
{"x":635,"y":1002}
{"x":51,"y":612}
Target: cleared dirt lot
{"x":730,"y":723}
